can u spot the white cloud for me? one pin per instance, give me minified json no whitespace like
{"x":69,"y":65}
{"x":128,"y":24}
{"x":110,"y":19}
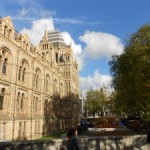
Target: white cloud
{"x":69,"y":21}
{"x":99,"y":44}
{"x":37,"y":30}
{"x":94,"y":82}
{"x":77,"y":48}
{"x":33,"y":12}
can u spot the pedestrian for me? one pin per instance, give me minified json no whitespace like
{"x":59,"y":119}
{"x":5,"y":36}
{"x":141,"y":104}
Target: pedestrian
{"x":148,"y":139}
{"x":148,"y":136}
{"x":73,"y":142}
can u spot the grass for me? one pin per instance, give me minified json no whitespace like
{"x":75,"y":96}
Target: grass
{"x":52,"y":136}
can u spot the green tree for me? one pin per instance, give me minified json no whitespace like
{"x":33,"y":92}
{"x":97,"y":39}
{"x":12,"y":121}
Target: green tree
{"x":96,"y":99}
{"x":131,"y":74}
{"x":66,"y":111}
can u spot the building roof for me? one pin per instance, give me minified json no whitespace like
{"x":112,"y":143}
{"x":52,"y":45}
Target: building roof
{"x":55,"y":38}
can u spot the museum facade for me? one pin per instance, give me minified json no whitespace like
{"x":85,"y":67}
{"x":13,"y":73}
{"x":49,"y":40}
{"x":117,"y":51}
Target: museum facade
{"x":29,"y":76}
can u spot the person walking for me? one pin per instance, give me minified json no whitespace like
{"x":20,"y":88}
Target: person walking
{"x":148,"y":139}
{"x":73,"y":142}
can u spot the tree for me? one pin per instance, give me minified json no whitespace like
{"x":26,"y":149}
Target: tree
{"x":131,"y":74}
{"x":96,"y":100}
{"x":65,"y":111}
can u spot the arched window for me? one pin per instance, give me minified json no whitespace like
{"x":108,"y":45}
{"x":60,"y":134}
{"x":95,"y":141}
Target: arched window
{"x":36,"y":104}
{"x":20,"y":72}
{"x":2,"y":98}
{"x":37,"y":78}
{"x":33,"y":107}
{"x":10,"y":34}
{"x":19,"y":130}
{"x":47,"y":83}
{"x":24,"y":45}
{"x":5,"y":58}
{"x":27,"y":46}
{"x":18,"y":101}
{"x":36,"y":82}
{"x":4,"y":67}
{"x":56,"y":55}
{"x":23,"y":74}
{"x":0,"y":61}
{"x":22,"y":102}
{"x":6,"y":31}
{"x":55,"y":90}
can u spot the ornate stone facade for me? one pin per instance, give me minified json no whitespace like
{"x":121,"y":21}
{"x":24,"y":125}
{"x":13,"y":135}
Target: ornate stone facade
{"x":30,"y":75}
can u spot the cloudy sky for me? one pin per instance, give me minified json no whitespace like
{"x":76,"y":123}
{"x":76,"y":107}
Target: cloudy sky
{"x":96,"y":29}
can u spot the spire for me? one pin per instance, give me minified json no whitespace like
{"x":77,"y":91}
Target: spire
{"x":46,"y":35}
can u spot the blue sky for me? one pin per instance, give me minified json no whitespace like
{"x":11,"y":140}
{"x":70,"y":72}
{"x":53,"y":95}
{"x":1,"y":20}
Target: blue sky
{"x":96,"y":29}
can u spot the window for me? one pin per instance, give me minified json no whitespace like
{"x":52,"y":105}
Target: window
{"x":22,"y":102}
{"x":10,"y":34}
{"x":36,"y":82}
{"x":36,"y":79}
{"x":56,"y":55}
{"x":3,"y":127}
{"x":22,"y":71}
{"x":18,"y":101}
{"x":24,"y":45}
{"x":55,"y":86}
{"x":19,"y":74}
{"x":6,"y":31}
{"x":38,"y":127}
{"x":36,"y":104}
{"x":19,"y":131}
{"x":0,"y":61}
{"x":2,"y":98}
{"x":4,"y":67}
{"x":4,"y":61}
{"x":33,"y":103}
{"x":23,"y":74}
{"x":47,"y":83}
{"x":24,"y":129}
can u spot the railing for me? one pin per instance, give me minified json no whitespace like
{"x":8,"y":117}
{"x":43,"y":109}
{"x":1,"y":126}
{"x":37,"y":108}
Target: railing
{"x":88,"y":143}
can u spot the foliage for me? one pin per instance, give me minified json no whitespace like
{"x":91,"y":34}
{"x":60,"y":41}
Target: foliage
{"x":131,"y":73}
{"x":61,"y":113}
{"x":96,"y":99}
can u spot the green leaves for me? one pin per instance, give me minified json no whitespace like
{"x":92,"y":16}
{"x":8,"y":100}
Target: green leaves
{"x":96,"y":99}
{"x":131,"y":72}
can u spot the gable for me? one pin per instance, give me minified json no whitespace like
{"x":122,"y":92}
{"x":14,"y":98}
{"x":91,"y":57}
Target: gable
{"x":9,"y":21}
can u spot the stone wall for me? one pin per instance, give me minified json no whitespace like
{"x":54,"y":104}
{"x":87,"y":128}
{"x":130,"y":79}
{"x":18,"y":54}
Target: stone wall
{"x":92,"y":143}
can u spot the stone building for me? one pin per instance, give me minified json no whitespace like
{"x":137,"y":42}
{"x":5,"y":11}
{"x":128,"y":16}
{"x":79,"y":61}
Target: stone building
{"x":29,"y":76}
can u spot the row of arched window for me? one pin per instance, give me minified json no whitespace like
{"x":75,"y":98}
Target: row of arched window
{"x":25,"y":45}
{"x":22,"y":72}
{"x":8,"y":33}
{"x":45,"y":46}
